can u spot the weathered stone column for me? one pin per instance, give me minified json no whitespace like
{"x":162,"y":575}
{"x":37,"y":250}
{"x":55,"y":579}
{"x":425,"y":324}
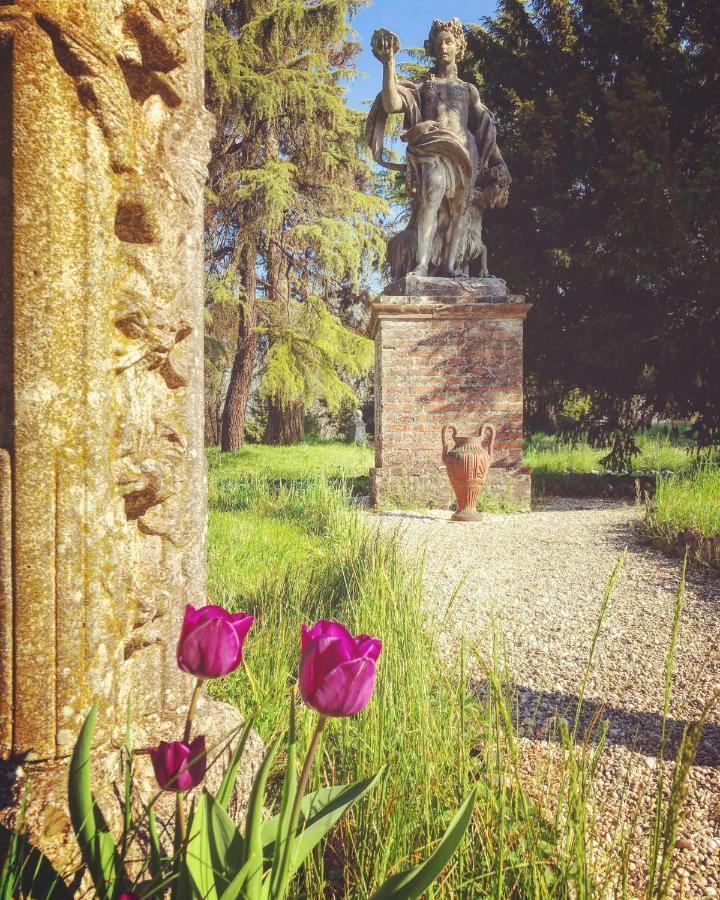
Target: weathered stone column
{"x":103,"y":154}
{"x":446,"y":352}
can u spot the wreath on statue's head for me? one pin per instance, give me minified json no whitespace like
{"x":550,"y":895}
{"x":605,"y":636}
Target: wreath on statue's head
{"x":454,"y":26}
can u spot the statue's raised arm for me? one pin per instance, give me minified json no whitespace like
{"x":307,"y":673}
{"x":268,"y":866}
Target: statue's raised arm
{"x":385,"y":45}
{"x":454,"y":168}
{"x":397,"y":96}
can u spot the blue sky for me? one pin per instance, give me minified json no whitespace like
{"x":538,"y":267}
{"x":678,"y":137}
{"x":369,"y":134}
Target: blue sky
{"x":410,"y":20}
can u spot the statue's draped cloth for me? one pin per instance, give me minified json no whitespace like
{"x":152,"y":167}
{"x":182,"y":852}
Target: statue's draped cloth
{"x":428,"y":140}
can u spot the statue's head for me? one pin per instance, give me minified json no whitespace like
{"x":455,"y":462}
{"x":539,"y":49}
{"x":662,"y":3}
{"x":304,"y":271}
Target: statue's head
{"x":445,"y":39}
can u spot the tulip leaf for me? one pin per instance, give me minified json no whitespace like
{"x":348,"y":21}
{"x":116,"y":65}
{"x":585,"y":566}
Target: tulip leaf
{"x":283,"y":848}
{"x":128,"y":779}
{"x":93,"y":835}
{"x":234,"y":890}
{"x":24,"y":868}
{"x":155,"y":862}
{"x":198,"y":858}
{"x":319,"y":812}
{"x":230,"y":777}
{"x":225,"y":842}
{"x":253,"y":827}
{"x":413,"y":883}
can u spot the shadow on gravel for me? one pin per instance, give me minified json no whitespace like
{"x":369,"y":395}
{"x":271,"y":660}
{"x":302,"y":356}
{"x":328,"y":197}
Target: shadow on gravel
{"x":537,"y":713}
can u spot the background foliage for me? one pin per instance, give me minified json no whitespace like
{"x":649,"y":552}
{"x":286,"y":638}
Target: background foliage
{"x":609,"y":118}
{"x":293,"y":220}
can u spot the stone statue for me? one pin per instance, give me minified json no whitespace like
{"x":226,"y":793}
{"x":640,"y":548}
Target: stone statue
{"x":359,"y":433}
{"x":454,"y":168}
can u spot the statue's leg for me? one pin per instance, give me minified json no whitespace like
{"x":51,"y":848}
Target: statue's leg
{"x":483,"y":262}
{"x":457,"y":223}
{"x":432,"y":191}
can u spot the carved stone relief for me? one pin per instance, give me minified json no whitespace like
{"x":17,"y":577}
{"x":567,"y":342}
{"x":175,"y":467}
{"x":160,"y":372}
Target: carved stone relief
{"x":120,"y":405}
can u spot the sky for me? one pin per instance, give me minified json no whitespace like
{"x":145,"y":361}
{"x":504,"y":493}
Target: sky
{"x":410,"y":20}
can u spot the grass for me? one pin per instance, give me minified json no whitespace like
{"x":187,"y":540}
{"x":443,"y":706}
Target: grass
{"x":691,"y":501}
{"x":559,"y":467}
{"x":684,"y":514}
{"x":289,"y":547}
{"x":658,"y":451}
{"x":322,"y":459}
{"x":266,"y":508}
{"x":292,"y":548}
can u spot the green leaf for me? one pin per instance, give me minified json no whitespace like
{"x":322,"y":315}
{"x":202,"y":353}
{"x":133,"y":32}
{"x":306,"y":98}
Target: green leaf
{"x":230,"y":777}
{"x":234,"y":889}
{"x":253,"y":827}
{"x":155,"y":862}
{"x":413,"y":883}
{"x":283,"y":849}
{"x":96,"y":843}
{"x":26,"y":868}
{"x":127,"y":750}
{"x":226,"y":844}
{"x":198,"y":859}
{"x":319,"y":812}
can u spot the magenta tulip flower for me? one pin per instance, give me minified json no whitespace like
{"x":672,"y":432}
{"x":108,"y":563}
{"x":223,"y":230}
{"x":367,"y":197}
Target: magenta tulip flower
{"x":179,"y":766}
{"x":337,"y":670}
{"x":211,"y":641}
{"x":129,"y":895}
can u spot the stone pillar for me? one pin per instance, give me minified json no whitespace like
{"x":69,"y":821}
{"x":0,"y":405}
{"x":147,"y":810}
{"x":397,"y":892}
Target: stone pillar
{"x":446,"y":352}
{"x":103,"y":154}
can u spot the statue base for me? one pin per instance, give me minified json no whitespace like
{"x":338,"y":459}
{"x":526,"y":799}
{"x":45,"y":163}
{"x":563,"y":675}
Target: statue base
{"x":447,"y":351}
{"x":464,"y":289}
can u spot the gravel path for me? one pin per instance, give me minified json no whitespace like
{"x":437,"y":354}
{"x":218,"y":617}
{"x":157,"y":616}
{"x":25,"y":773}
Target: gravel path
{"x":541,"y":577}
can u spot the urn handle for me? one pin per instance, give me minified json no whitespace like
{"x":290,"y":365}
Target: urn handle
{"x":444,"y":431}
{"x":488,"y":426}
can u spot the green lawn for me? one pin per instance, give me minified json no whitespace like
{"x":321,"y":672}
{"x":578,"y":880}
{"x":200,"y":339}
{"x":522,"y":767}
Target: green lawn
{"x":330,"y":459}
{"x":546,"y":455}
{"x":691,"y":501}
{"x":258,"y":501}
{"x":289,"y":546}
{"x":687,"y":501}
{"x":688,"y":498}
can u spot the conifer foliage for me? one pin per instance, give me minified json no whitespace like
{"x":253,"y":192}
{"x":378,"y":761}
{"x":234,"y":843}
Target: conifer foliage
{"x":609,"y":114}
{"x":292,"y":221}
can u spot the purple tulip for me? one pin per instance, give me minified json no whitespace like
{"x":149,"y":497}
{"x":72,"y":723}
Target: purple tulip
{"x":211,"y":641}
{"x":129,"y":895}
{"x":174,"y":766}
{"x":337,"y":670}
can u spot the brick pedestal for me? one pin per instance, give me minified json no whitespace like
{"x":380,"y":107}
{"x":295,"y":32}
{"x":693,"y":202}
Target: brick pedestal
{"x":446,"y":352}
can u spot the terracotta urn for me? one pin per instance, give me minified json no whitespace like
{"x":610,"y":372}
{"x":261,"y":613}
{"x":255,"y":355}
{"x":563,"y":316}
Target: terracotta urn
{"x":467,"y":463}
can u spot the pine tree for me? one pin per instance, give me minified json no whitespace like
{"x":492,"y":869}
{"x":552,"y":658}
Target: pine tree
{"x":609,"y":120}
{"x":291,"y":217}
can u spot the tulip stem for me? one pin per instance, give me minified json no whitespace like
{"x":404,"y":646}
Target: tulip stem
{"x":181,"y":823}
{"x":191,"y":709}
{"x":305,"y":775}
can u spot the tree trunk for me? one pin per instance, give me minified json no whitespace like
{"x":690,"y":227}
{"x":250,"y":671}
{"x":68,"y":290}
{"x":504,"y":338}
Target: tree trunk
{"x":285,"y":423}
{"x":236,"y":402}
